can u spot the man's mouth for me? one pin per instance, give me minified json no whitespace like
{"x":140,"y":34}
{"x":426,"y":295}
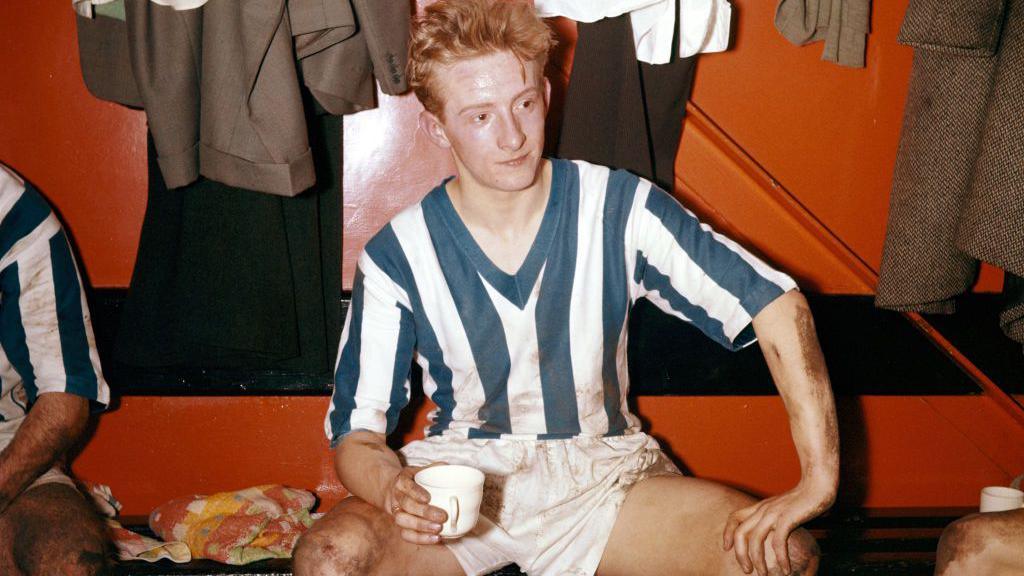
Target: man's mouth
{"x":516,"y":161}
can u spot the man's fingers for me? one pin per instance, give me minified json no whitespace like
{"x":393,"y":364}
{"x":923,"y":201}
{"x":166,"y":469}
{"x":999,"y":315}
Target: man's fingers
{"x":734,"y":520}
{"x":414,"y":537}
{"x":756,"y":540}
{"x":727,"y":534}
{"x":780,"y":536}
{"x":409,"y":486}
{"x":416,"y":523}
{"x":422,"y":509}
{"x":741,"y":545}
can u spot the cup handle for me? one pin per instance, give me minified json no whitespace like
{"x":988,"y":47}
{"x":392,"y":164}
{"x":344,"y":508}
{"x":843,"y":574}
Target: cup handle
{"x":453,"y":504}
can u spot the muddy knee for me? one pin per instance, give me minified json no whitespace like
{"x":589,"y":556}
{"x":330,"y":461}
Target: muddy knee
{"x":962,"y":545}
{"x":80,"y":548}
{"x":355,"y":548}
{"x":82,"y":554}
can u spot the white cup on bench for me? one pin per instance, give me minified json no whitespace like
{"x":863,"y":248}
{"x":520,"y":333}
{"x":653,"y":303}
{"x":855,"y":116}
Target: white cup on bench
{"x":1000,"y":499}
{"x":458,"y":491}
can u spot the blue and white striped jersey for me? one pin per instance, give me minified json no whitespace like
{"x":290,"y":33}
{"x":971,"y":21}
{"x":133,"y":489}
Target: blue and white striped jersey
{"x":46,"y":339}
{"x":542,"y":353}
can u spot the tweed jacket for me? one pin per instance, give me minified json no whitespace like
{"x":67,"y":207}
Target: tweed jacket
{"x":958,"y":186}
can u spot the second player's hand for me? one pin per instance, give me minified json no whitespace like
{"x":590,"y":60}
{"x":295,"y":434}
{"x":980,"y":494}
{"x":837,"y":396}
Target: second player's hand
{"x":408,"y":503}
{"x":750,"y":531}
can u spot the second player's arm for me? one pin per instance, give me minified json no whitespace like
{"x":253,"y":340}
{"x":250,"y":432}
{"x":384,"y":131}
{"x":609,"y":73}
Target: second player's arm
{"x":785,"y":331}
{"x":54,"y":424}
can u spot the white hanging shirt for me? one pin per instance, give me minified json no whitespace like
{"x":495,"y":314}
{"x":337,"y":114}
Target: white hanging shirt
{"x":703,"y":27}
{"x":84,"y":7}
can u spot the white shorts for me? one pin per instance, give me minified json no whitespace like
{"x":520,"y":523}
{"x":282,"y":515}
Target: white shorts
{"x":549,"y":506}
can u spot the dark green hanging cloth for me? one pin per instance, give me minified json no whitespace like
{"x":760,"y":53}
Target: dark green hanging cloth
{"x":228,"y":278}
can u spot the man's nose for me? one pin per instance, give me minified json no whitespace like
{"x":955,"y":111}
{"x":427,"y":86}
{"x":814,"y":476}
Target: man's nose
{"x":512,"y":136}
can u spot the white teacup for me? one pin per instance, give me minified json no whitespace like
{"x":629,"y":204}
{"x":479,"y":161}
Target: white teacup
{"x":457,"y":490}
{"x":1001,"y":498}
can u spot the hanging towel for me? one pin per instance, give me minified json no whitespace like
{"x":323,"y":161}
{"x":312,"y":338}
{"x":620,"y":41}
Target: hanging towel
{"x":842,"y":24}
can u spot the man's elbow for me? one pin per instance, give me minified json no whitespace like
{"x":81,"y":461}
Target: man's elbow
{"x":790,"y":309}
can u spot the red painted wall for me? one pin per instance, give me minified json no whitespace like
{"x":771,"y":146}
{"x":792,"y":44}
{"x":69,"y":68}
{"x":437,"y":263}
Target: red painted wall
{"x":807,"y":130}
{"x":88,"y":157}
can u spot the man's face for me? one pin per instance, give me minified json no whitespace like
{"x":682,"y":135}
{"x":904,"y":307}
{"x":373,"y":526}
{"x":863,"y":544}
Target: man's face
{"x":493,"y":121}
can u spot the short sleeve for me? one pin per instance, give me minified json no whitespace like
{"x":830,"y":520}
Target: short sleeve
{"x":688,"y":270}
{"x":371,"y":380}
{"x":45,"y":329}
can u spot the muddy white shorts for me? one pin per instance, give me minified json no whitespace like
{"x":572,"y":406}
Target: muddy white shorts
{"x":549,"y":506}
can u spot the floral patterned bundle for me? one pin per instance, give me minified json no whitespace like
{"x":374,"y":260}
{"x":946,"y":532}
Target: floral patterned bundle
{"x":237,"y":527}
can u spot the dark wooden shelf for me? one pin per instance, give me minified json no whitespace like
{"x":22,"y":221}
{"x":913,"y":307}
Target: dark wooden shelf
{"x":869,"y":351}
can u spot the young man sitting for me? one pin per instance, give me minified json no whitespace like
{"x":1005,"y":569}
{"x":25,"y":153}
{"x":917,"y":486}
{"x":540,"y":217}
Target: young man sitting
{"x":510,"y":284}
{"x":49,"y":375}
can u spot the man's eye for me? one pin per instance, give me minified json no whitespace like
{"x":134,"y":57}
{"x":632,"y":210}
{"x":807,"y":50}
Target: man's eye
{"x":480,"y":117}
{"x":527,"y":104}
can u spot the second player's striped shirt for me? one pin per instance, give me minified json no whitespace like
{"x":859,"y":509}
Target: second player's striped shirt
{"x":46,"y":339}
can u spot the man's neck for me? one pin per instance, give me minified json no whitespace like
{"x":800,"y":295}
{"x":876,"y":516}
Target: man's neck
{"x":500,"y":213}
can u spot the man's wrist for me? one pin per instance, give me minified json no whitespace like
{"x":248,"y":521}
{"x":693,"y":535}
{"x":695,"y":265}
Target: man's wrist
{"x":824,"y":485}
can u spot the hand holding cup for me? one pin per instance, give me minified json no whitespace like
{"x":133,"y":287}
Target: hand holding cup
{"x":409,"y":504}
{"x":456,"y":489}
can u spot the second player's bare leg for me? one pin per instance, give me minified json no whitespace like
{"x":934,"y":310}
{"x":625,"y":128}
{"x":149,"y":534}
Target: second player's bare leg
{"x":52,"y":529}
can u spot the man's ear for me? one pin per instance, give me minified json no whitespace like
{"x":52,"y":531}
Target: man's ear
{"x":547,"y":92}
{"x":434,"y":129}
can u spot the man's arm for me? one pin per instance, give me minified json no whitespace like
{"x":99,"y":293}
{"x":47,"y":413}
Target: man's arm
{"x":785,"y":330}
{"x":370,"y":470}
{"x":53,"y":425}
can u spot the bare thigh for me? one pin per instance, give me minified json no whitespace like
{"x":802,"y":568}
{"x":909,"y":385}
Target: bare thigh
{"x":673,"y":525}
{"x":356,"y":538}
{"x":52,"y":529}
{"x":991,"y":543}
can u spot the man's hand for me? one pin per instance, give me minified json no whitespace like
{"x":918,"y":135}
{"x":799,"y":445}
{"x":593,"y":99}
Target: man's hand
{"x":409,"y":504}
{"x":750,"y":531}
{"x":373,"y":472}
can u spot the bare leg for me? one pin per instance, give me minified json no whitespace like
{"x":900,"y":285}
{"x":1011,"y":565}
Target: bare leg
{"x":990,"y":544}
{"x":51,"y":529}
{"x":673,"y":525}
{"x":356,"y":538}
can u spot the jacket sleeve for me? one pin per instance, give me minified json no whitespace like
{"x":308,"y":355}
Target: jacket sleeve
{"x":386,"y":25}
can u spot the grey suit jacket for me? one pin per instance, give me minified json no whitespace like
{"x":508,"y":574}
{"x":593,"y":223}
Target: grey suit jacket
{"x":221,"y":85}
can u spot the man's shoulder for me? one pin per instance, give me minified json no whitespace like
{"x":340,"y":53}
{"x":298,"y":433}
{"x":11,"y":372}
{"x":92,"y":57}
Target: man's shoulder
{"x":582,"y":166}
{"x":405,"y":231}
{"x":23,"y":211}
{"x":590,"y":172}
{"x":612,"y":189}
{"x":12,"y":188}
